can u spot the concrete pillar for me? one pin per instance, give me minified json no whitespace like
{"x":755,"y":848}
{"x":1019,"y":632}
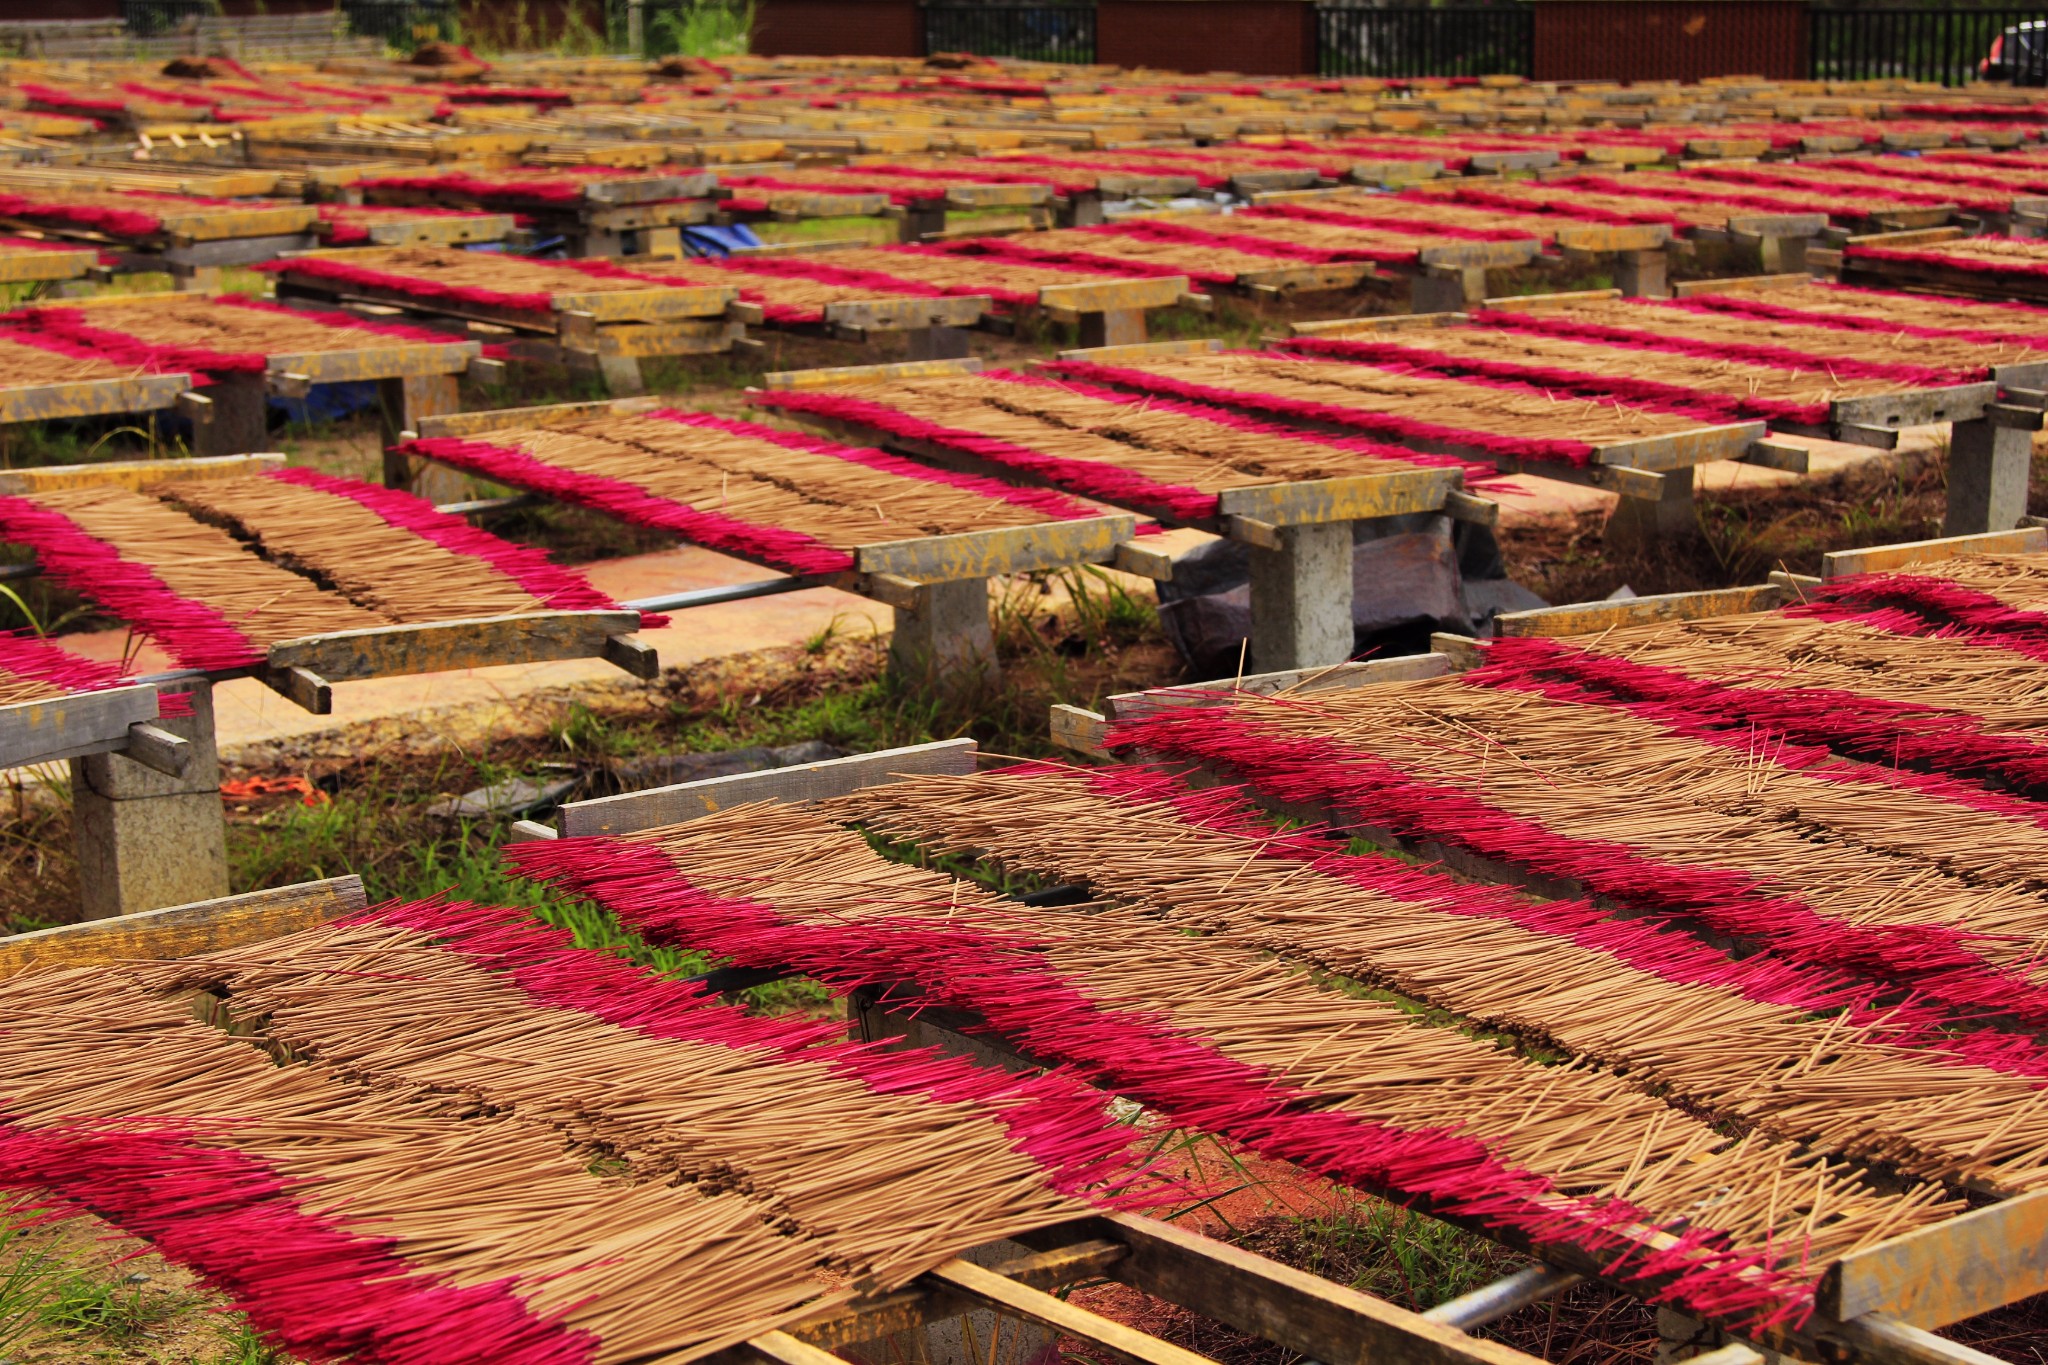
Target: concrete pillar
{"x":921,"y":219}
{"x":1083,"y":209}
{"x":400,"y":404}
{"x":1783,"y":255}
{"x":1639,"y":523}
{"x":1447,"y":289}
{"x":1643,"y":274}
{"x":598,"y":243}
{"x":240,"y":423}
{"x":622,"y":377}
{"x":937,"y":343}
{"x":1301,"y":598}
{"x":196,"y":279}
{"x":946,"y":637}
{"x":1121,"y":327}
{"x":146,"y":840}
{"x":662,"y":241}
{"x":1987,"y":478}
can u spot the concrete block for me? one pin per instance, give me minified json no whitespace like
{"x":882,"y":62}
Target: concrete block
{"x":148,"y":852}
{"x":1642,"y":522}
{"x":1643,"y":274}
{"x":241,"y":417}
{"x":1123,"y":327}
{"x":937,"y":343}
{"x":1783,"y":255}
{"x":1301,"y":598}
{"x":1440,"y":289}
{"x":946,"y":636}
{"x":1988,"y":469}
{"x":120,"y":778}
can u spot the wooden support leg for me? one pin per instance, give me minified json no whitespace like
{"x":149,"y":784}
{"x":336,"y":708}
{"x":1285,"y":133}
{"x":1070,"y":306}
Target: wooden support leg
{"x":1783,"y":255}
{"x":1987,"y":478}
{"x":946,"y":637}
{"x":1082,"y":210}
{"x":240,"y":417}
{"x":663,"y":241}
{"x":1643,"y":274}
{"x":146,"y":840}
{"x":1301,"y":598}
{"x":937,"y":343}
{"x":401,"y":403}
{"x":925,"y":218}
{"x":1447,"y":289}
{"x":196,"y":279}
{"x":1122,"y":327}
{"x":1639,"y":523}
{"x":622,"y":378}
{"x":596,"y":244}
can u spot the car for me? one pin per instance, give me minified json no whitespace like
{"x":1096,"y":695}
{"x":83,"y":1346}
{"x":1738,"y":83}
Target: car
{"x":2019,"y":55}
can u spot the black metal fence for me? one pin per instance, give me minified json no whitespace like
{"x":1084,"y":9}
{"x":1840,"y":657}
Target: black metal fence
{"x":1359,"y":41}
{"x":154,"y":18}
{"x":1039,"y":33}
{"x":404,"y":24}
{"x":1945,"y":45}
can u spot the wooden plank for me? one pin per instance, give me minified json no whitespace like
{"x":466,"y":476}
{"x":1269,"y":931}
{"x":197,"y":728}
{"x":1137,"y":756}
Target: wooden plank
{"x":1009,"y":549}
{"x":1306,"y":1314}
{"x":442,"y":646}
{"x":133,"y":474}
{"x":546,"y":415}
{"x":1911,"y":237}
{"x":1113,"y":296}
{"x":684,"y":336}
{"x":1777,"y":225}
{"x":1915,"y":407}
{"x":1489,"y":255}
{"x":1683,"y":449}
{"x":1590,"y":618}
{"x":91,"y":397}
{"x":648,"y":305}
{"x":831,"y":378}
{"x":1560,"y":300}
{"x":1747,"y":284}
{"x":1035,"y":1305}
{"x":1299,"y":681}
{"x":20,"y":267}
{"x":185,"y":930}
{"x":68,"y":726}
{"x":1308,"y":278}
{"x":1887,"y":558}
{"x":1598,"y":239}
{"x":1391,"y":322}
{"x":377,"y":362}
{"x":1078,"y":730}
{"x":1351,"y":497}
{"x":795,"y":785}
{"x":1947,"y":1271}
{"x":905,"y":314}
{"x":1143,"y":350}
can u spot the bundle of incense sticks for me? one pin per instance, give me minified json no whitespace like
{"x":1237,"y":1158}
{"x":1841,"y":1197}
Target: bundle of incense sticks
{"x":1705,"y":825}
{"x":523,"y":187}
{"x":882,"y":1163}
{"x":1580,"y":205}
{"x":216,"y":571}
{"x":1912,"y":315}
{"x":1206,"y":259}
{"x":1802,"y":1054}
{"x":1727,"y":200}
{"x":350,"y":224}
{"x":1978,"y":255}
{"x":1014,"y":282}
{"x":1391,"y":240}
{"x":1994,"y":601}
{"x":1654,"y":324}
{"x":1033,"y":251}
{"x":1160,"y":456}
{"x":117,"y":213}
{"x":799,"y":504}
{"x":223,"y":335}
{"x":28,"y":359}
{"x":34,"y":669}
{"x":757,"y":191}
{"x":1713,"y":389}
{"x":1439,"y":218}
{"x":446,"y":275}
{"x":352,"y":1224}
{"x":789,"y":290}
{"x":2021,"y":176}
{"x":1488,"y":417}
{"x":1875,"y":185}
{"x":1355,"y":1089}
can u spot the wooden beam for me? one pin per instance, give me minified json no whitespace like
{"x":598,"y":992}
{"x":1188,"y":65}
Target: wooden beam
{"x":1113,"y":296}
{"x":441,"y":646}
{"x":1010,"y":549}
{"x":1590,"y":618}
{"x":1297,"y":681}
{"x":550,"y":414}
{"x":1945,"y":1272}
{"x":1078,"y":730}
{"x":1684,"y":448}
{"x":185,"y":930}
{"x":1143,"y":350}
{"x":832,"y":378}
{"x":1390,"y":322}
{"x":74,"y":725}
{"x":1915,"y":407}
{"x":794,"y":785}
{"x":1067,"y":1319}
{"x":1888,"y":558}
{"x":1351,"y":497}
{"x":134,"y":474}
{"x":91,"y":397}
{"x":1747,"y":284}
{"x":1569,"y":297}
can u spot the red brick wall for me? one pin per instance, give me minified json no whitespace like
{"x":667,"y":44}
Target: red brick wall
{"x":1256,"y":37}
{"x":1668,"y":40}
{"x":838,"y":28}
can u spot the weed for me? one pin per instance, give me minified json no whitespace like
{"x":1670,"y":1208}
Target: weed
{"x":245,"y":1348}
{"x":111,"y":1310}
{"x":700,"y":28}
{"x":25,"y":1283}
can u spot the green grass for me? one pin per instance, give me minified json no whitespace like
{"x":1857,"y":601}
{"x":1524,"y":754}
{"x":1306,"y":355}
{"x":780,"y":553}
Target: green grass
{"x":699,"y":28}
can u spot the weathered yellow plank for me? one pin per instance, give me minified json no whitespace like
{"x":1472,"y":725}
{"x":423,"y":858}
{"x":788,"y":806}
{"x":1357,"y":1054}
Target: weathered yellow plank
{"x":132,"y":473}
{"x":1684,"y":448}
{"x":845,"y":374}
{"x":91,"y":397}
{"x":1010,"y":549}
{"x":1143,"y":350}
{"x":1889,"y":558}
{"x":377,"y":362}
{"x":185,"y":930}
{"x":1590,"y":618}
{"x":1948,"y":1271}
{"x":1114,"y":296}
{"x":20,"y":267}
{"x":61,"y":727}
{"x":552,"y":414}
{"x":648,"y":305}
{"x":442,"y":646}
{"x":1353,"y":497}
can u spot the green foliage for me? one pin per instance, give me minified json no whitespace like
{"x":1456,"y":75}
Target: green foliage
{"x":1397,"y":1254}
{"x":110,"y":1310}
{"x":245,"y":1348}
{"x":700,"y":28}
{"x":26,"y":1281}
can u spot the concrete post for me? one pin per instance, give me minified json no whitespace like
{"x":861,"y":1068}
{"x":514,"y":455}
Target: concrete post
{"x":622,"y":377}
{"x":1447,"y":289}
{"x":1082,"y":209}
{"x":1121,"y":327}
{"x":1301,"y":598}
{"x":240,"y":425}
{"x":146,"y":840}
{"x":196,"y":279}
{"x":1643,"y":274}
{"x":666,"y":242}
{"x":1638,"y":523}
{"x":400,"y":405}
{"x":946,"y":637}
{"x":937,"y":343}
{"x":1783,"y":255}
{"x":921,"y":219}
{"x":1987,"y":478}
